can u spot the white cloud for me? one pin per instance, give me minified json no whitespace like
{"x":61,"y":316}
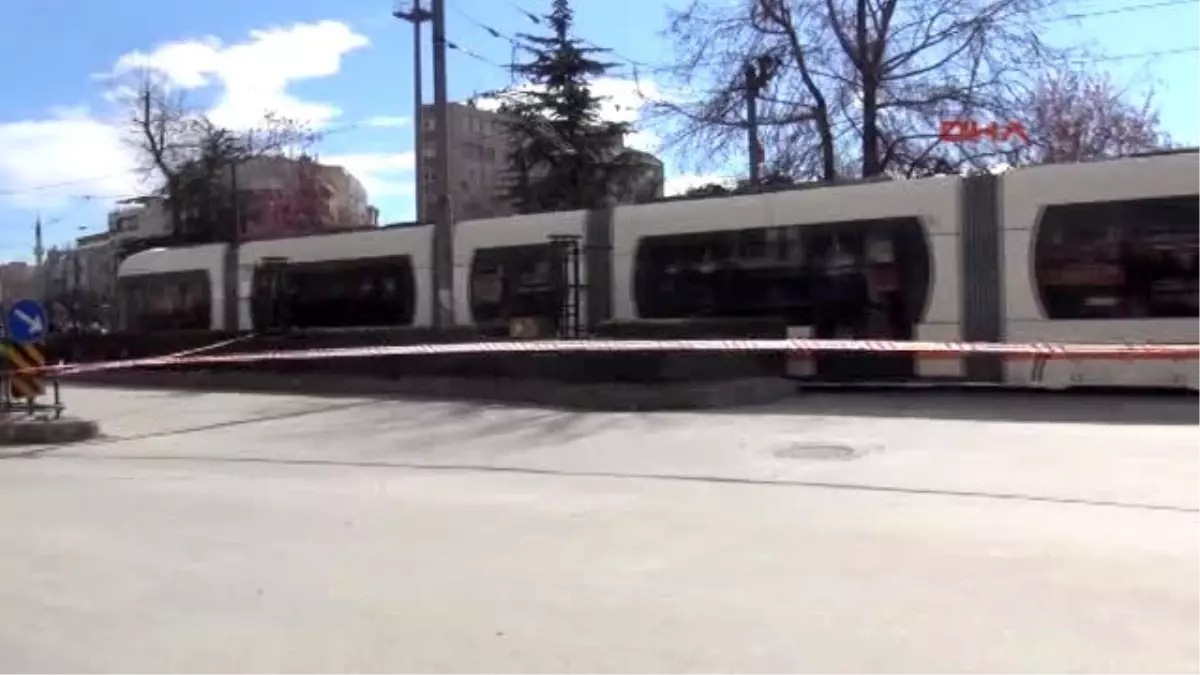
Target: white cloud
{"x":386,"y":121}
{"x":678,"y":185}
{"x":80,"y":152}
{"x":43,"y":163}
{"x":646,"y":141}
{"x":622,"y":101}
{"x":254,"y":75}
{"x":381,"y":174}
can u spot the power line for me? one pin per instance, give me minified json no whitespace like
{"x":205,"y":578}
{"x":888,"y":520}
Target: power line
{"x":638,"y":67}
{"x":1145,"y":55}
{"x":1124,"y":10}
{"x":32,"y":189}
{"x":516,"y":43}
{"x":65,"y":183}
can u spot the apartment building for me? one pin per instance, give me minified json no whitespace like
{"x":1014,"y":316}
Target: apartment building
{"x":279,"y":197}
{"x":81,"y":281}
{"x":478,"y":163}
{"x":283,"y":197}
{"x":18,"y":280}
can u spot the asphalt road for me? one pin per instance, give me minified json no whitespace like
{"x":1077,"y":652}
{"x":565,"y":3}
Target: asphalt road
{"x":836,"y":533}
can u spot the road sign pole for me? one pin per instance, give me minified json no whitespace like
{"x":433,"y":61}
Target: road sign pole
{"x":26,"y":322}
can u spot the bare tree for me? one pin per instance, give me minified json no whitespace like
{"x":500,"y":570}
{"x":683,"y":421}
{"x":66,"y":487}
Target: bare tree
{"x":161,"y":124}
{"x":856,"y":83}
{"x":1075,"y":115}
{"x":192,"y":159}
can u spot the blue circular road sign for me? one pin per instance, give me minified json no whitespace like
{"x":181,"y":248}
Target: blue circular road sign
{"x":27,"y":321}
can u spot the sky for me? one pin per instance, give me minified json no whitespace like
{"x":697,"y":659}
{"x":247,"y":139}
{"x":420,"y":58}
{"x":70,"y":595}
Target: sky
{"x":347,"y":67}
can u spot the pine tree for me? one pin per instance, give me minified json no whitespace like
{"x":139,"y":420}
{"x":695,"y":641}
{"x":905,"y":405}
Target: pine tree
{"x":563,"y":155}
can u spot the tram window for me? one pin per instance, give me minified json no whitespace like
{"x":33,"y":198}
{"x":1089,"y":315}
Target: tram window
{"x":785,"y":272}
{"x":340,"y":293}
{"x":1119,"y":260}
{"x":174,"y":301}
{"x":516,"y":282}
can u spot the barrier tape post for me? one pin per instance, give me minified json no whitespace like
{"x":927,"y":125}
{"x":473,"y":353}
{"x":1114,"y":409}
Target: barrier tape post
{"x":26,"y":323}
{"x":25,"y":382}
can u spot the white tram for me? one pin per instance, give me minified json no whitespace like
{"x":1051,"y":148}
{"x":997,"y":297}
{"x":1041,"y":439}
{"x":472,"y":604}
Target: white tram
{"x":379,"y":277}
{"x":511,"y":273}
{"x":173,"y":289}
{"x":1096,"y":252}
{"x":867,"y":260}
{"x":1102,"y":252}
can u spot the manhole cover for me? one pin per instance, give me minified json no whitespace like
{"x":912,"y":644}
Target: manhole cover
{"x":819,"y":451}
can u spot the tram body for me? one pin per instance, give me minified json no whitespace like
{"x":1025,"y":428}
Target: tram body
{"x":344,"y":280}
{"x":783,"y":254}
{"x":513,"y":276}
{"x":1102,"y":252}
{"x":1097,"y":252}
{"x":173,"y":289}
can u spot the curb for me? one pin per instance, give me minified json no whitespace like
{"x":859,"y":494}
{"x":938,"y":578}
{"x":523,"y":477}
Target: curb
{"x":605,"y":396}
{"x":24,"y":431}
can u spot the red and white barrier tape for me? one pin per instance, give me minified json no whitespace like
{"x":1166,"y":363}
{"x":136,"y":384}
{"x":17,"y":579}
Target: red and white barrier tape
{"x":924,"y":349}
{"x":70,"y":369}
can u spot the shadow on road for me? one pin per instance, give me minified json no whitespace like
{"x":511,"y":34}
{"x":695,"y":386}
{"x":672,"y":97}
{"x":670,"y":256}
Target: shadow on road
{"x":1099,"y":407}
{"x":440,"y":424}
{"x":104,"y":439}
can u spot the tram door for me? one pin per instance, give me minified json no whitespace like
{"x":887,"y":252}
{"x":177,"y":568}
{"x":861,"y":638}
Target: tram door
{"x":859,"y":296}
{"x":519,"y":290}
{"x":271,"y":295}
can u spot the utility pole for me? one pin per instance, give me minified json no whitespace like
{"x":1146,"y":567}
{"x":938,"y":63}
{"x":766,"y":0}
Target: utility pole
{"x":443,"y":229}
{"x":751,"y":73}
{"x":237,"y":202}
{"x":38,"y":255}
{"x":232,"y":290}
{"x":416,"y":16}
{"x":758,"y":73}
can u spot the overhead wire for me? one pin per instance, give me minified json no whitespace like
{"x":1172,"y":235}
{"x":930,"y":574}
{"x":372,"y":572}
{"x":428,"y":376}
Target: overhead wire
{"x":33,"y":189}
{"x":639,"y":68}
{"x":1141,"y":7}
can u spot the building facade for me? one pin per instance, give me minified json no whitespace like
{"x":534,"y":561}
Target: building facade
{"x":139,"y":218}
{"x":277,"y":197}
{"x":282,"y":197}
{"x":478,"y":165}
{"x":648,"y":182}
{"x":81,"y":281}
{"x":477,"y":162}
{"x":18,"y":280}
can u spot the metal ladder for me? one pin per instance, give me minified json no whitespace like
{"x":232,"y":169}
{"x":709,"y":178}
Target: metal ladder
{"x":568,"y":253}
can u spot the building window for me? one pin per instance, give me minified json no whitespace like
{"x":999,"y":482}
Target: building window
{"x":472,"y":151}
{"x":1119,"y":260}
{"x":490,"y":154}
{"x":428,"y":122}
